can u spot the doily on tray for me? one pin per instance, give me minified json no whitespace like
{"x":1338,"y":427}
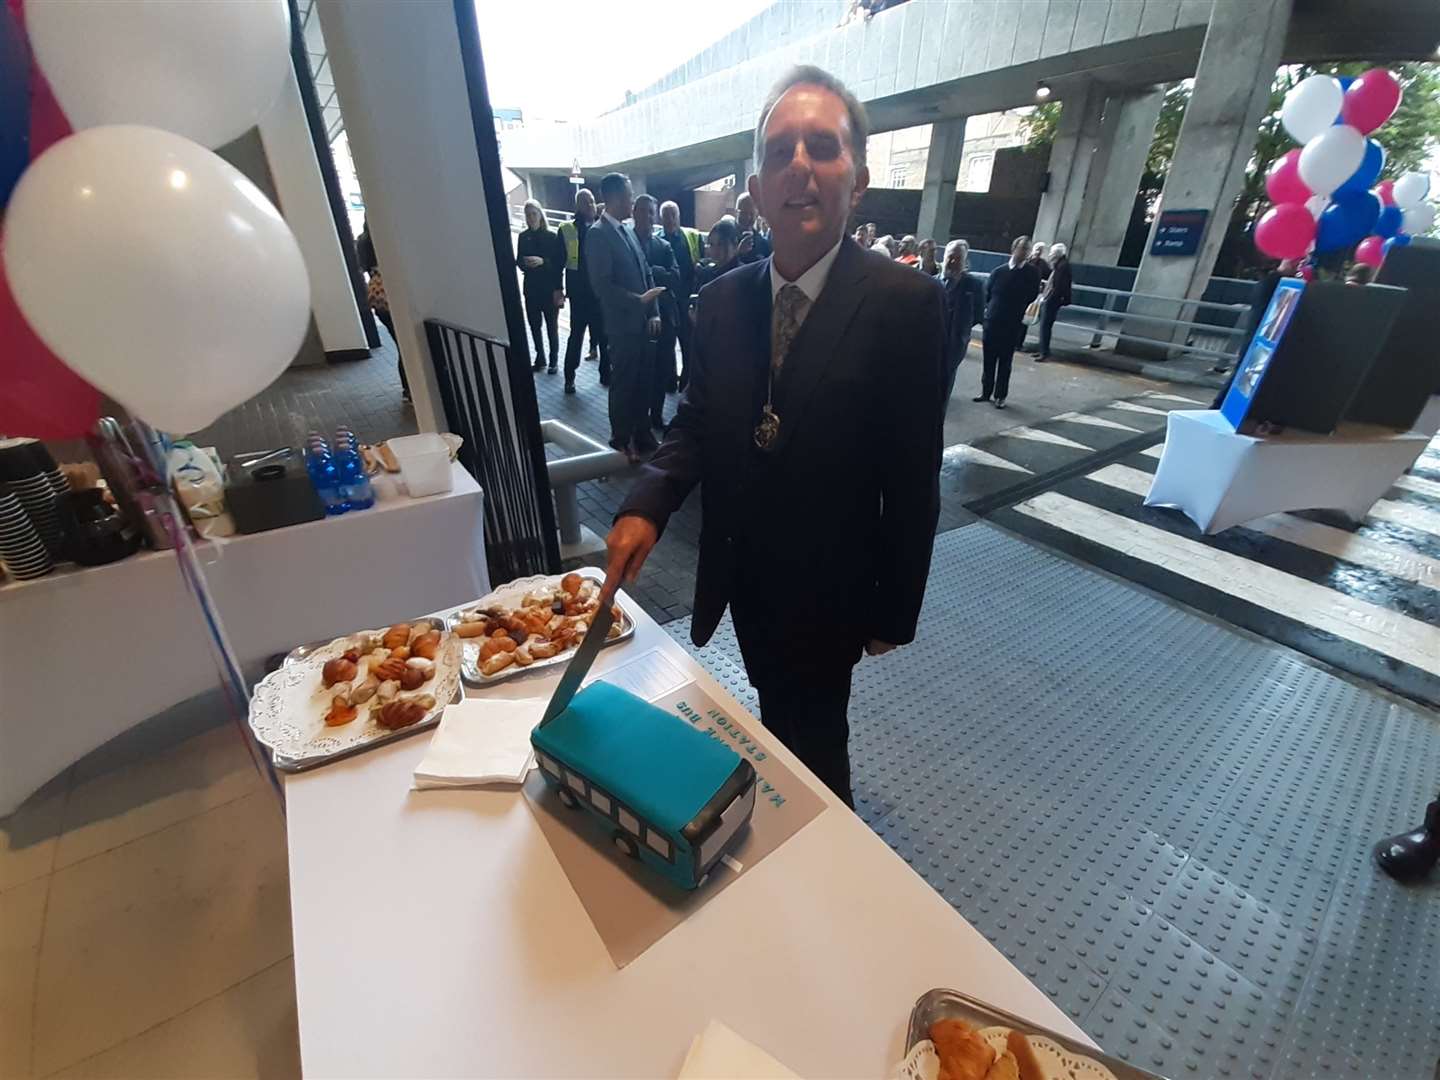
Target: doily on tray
{"x":1056,"y":1062}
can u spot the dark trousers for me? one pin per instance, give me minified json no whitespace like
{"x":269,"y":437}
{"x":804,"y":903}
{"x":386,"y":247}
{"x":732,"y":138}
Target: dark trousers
{"x":1048,"y":313}
{"x":541,"y":310}
{"x":1001,"y":337}
{"x":632,"y":378}
{"x":809,"y":717}
{"x":953,"y":360}
{"x":664,"y":373}
{"x":584,"y":314}
{"x":389,"y":323}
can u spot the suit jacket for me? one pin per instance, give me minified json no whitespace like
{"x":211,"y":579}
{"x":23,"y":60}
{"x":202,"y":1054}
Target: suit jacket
{"x":827,"y":533}
{"x":1009,"y":292}
{"x":664,"y":272}
{"x":1058,"y":288}
{"x":619,"y":275}
{"x":964,"y":305}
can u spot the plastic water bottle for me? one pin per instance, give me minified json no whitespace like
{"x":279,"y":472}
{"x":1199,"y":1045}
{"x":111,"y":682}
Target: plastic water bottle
{"x":324,"y":473}
{"x":355,"y":487}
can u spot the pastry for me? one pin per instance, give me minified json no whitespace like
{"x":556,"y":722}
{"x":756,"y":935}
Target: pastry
{"x":1026,"y":1061}
{"x":397,"y":635}
{"x":341,"y":711}
{"x":963,"y":1054}
{"x":571,"y":583}
{"x":497,"y":663}
{"x":403,"y":712}
{"x":365,"y":691}
{"x":412,"y":678}
{"x":339,"y":670}
{"x":426,"y":645}
{"x":1004,"y":1068}
{"x":390,"y":668}
{"x":472,"y":629}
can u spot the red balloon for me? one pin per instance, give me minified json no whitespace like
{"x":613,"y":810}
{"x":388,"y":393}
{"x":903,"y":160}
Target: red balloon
{"x":1371,"y":251}
{"x":1306,"y":273}
{"x":1285,"y":231}
{"x":1371,"y":100}
{"x":1386,"y":190}
{"x":39,"y":396}
{"x":1282,"y":180}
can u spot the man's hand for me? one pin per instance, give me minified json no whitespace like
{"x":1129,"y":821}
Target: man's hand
{"x":559,"y":298}
{"x":649,"y":296}
{"x":628,"y":544}
{"x":876,"y":647}
{"x":747,"y":244}
{"x":653,"y":326}
{"x":532,"y":261}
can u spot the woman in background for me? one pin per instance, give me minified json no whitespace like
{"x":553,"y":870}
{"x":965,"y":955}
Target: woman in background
{"x":376,"y":298}
{"x":540,"y":255}
{"x":1056,"y":295}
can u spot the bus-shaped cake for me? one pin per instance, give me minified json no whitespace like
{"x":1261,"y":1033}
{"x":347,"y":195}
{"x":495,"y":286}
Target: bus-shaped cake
{"x":666,"y":792}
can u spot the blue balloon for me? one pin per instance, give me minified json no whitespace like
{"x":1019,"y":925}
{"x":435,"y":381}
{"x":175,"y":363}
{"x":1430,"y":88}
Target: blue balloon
{"x":1345,"y":81}
{"x":1389,"y":221}
{"x":1347,"y":220}
{"x":1368,"y":171}
{"x":1398,"y":240}
{"x":14,"y":104}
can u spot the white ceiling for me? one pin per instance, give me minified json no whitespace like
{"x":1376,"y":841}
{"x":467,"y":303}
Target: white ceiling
{"x":320,"y":69}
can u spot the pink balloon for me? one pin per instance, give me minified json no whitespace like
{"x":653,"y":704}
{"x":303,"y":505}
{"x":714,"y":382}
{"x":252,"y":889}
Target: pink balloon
{"x":1386,"y":190}
{"x":1306,"y":273}
{"x":1282,"y":181}
{"x":1371,"y":251}
{"x":1286,"y":231}
{"x":1371,"y":100}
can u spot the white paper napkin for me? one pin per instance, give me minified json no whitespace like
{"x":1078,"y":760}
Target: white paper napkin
{"x":481,"y":741}
{"x":719,"y":1054}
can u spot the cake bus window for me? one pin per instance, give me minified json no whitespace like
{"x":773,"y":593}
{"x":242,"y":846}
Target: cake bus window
{"x":628,"y":822}
{"x":659,"y":844}
{"x":601,"y":801}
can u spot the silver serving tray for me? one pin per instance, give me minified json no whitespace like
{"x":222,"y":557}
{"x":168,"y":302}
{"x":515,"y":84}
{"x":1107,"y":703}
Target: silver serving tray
{"x":293,"y":764}
{"x":940,"y":1004}
{"x":470,"y":654}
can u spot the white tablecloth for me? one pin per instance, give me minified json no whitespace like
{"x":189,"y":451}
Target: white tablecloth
{"x":1220,"y":478}
{"x":436,"y":935}
{"x":86,"y":654}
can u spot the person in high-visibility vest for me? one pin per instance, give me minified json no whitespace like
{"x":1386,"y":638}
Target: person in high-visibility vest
{"x":685,"y":243}
{"x":584,"y":307}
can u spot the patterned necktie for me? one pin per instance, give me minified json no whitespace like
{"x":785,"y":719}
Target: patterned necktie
{"x":791,"y":306}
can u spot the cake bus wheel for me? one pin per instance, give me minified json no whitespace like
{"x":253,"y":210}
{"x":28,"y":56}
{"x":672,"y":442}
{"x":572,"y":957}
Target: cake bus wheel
{"x":568,"y":798}
{"x":625,"y":844}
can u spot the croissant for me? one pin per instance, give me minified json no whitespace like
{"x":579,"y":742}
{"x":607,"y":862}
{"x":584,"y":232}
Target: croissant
{"x":392,"y":667}
{"x":403,"y":712}
{"x":397,"y":635}
{"x":426,"y":645}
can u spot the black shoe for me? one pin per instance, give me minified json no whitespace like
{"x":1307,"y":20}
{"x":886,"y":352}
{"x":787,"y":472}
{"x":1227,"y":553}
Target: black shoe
{"x":999,"y":403}
{"x":1410,"y":856}
{"x":569,"y":387}
{"x":539,"y":365}
{"x":982,"y":397}
{"x":1042,"y":359}
{"x":604,"y":382}
{"x":552,"y":369}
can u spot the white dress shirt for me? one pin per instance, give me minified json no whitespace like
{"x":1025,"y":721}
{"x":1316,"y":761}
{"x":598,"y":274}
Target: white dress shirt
{"x":811,"y":282}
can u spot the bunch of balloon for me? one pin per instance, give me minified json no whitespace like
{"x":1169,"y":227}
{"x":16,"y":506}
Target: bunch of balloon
{"x":140,"y":263}
{"x":1322,"y":194}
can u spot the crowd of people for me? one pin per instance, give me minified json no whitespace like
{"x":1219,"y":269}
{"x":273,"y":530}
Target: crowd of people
{"x":652,"y":310}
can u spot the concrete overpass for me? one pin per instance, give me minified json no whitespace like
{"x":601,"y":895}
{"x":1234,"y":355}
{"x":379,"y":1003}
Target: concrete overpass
{"x":941,"y":61}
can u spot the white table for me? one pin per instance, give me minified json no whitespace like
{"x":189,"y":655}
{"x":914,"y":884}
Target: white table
{"x":436,"y":935}
{"x":1220,"y":478}
{"x":86,"y":654}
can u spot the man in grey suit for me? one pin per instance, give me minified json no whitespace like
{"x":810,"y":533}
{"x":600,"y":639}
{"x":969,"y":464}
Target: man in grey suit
{"x":628,"y":295}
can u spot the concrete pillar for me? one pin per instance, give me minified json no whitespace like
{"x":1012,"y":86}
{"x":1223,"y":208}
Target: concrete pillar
{"x":1232,"y":92}
{"x":413,"y":141}
{"x":1071,"y":154}
{"x":1115,"y":172}
{"x":295,"y":170}
{"x":942,"y":173}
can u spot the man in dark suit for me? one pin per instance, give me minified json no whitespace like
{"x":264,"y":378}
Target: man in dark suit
{"x":661,"y":258}
{"x":1007,"y":294}
{"x":813,"y":422}
{"x":620,"y":275}
{"x":754,"y":246}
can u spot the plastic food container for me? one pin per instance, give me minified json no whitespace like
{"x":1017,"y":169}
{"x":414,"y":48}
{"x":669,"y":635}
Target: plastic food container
{"x":424,"y":463}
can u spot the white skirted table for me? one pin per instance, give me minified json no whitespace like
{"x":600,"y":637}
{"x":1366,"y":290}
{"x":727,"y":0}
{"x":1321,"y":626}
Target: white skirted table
{"x":436,"y":934}
{"x":1220,"y":478}
{"x":86,"y":654}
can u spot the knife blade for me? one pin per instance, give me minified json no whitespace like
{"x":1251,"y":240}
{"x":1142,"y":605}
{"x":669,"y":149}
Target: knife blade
{"x":580,"y":663}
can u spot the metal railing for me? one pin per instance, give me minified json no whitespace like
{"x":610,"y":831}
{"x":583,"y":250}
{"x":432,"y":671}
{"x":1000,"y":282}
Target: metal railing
{"x":553,"y":217}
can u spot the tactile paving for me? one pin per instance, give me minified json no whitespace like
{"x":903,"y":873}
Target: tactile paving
{"x":1164,"y":822}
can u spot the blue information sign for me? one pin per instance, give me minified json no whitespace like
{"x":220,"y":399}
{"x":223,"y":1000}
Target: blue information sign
{"x":1178,"y":232}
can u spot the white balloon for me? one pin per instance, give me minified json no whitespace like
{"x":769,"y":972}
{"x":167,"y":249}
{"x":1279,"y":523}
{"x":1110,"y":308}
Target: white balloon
{"x":1311,"y":107}
{"x":1419,"y":219}
{"x":206,"y":70}
{"x":157,"y":271}
{"x":1329,"y":159}
{"x":1316,"y":204}
{"x":1410,"y":190}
